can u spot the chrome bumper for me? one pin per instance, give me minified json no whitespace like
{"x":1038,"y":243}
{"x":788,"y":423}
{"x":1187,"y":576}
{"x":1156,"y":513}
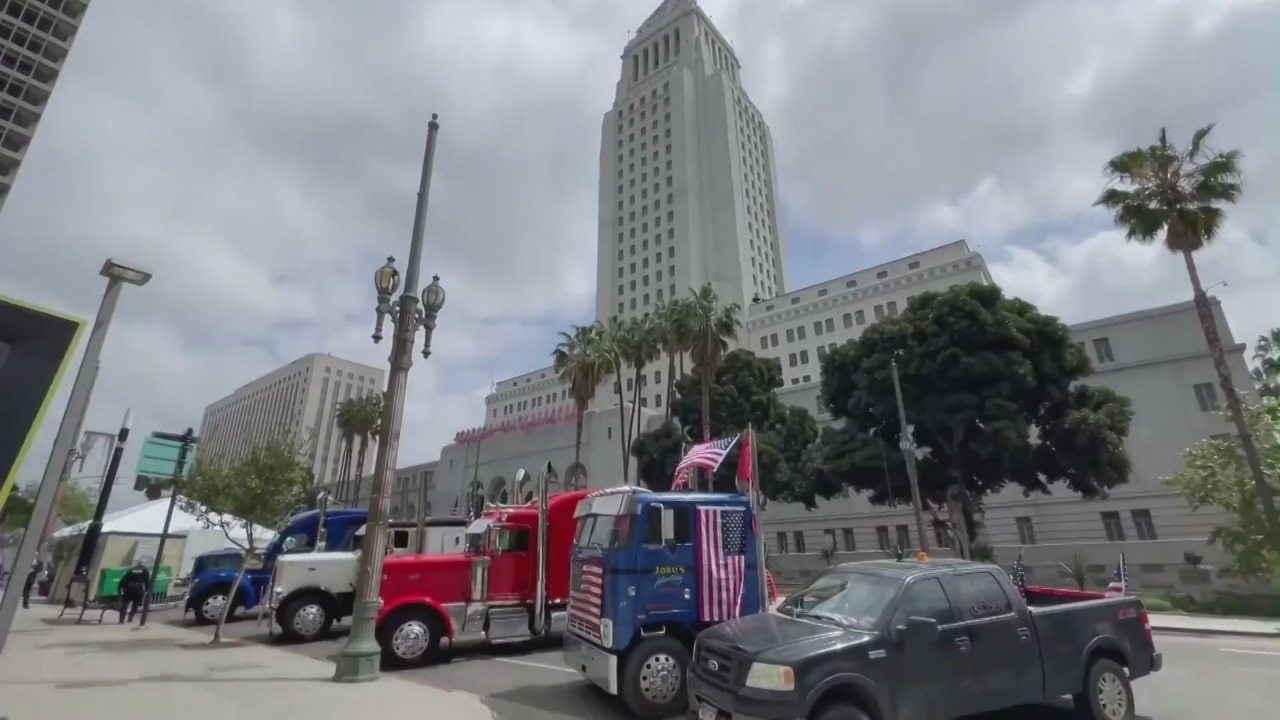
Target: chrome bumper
{"x":597,"y":665}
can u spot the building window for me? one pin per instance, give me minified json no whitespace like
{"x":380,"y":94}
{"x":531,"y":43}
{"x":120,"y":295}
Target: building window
{"x":822,"y":353}
{"x":892,"y":308}
{"x":764,"y":342}
{"x":773,"y":339}
{"x":941,"y":535}
{"x":1143,"y":524}
{"x":860,"y":317}
{"x":817,"y":327}
{"x":782,"y":544}
{"x":800,"y":333}
{"x":1102,"y":349}
{"x":830,"y":538}
{"x":791,"y":335}
{"x":1026,"y":531}
{"x":848,"y":320}
{"x":1113,"y":527}
{"x":913,"y":265}
{"x":798,"y":536}
{"x":903,"y":536}
{"x":804,"y":357}
{"x":847,"y":535}
{"x":830,"y":324}
{"x":1206,"y":397}
{"x":882,"y":536}
{"x":791,"y":360}
{"x":879,"y":312}
{"x":882,"y":274}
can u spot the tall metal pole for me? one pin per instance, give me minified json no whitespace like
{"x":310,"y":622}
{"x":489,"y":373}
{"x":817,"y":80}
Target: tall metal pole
{"x":63,"y":444}
{"x":908,"y":445}
{"x":358,"y":660}
{"x":757,"y":522}
{"x":89,"y":545}
{"x":188,"y":439}
{"x":422,"y":515}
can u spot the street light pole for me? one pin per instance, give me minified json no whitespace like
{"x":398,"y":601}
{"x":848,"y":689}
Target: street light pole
{"x":117,"y":275}
{"x":358,"y":660}
{"x":908,"y":445}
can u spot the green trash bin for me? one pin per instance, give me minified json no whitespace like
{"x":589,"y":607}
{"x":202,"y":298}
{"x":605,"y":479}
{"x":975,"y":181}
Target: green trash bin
{"x":109,"y":581}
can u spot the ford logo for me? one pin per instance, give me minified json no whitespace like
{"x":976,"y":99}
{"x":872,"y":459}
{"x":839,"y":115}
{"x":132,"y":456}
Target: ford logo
{"x":713,"y":666}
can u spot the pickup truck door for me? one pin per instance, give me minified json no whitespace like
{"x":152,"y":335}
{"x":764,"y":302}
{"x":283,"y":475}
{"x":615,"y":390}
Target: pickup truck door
{"x":1003,"y":643}
{"x":935,"y":681}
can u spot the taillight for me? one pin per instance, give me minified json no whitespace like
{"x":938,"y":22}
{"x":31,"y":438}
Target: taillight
{"x":1146,"y":627}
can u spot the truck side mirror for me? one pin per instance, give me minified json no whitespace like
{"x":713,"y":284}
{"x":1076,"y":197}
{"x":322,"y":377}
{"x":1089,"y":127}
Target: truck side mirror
{"x":669,"y":527}
{"x":919,"y":631}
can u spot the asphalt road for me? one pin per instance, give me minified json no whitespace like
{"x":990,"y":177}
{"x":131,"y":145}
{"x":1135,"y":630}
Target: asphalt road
{"x":1203,"y":677}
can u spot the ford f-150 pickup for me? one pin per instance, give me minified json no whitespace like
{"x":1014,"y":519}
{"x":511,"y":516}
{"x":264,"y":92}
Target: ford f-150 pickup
{"x":921,"y":640}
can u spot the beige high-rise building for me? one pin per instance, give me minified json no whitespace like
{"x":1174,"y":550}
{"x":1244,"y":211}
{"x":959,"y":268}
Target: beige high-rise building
{"x":301,"y":399}
{"x":35,"y":40}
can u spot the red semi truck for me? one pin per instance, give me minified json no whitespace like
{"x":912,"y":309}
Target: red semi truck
{"x":510,"y":584}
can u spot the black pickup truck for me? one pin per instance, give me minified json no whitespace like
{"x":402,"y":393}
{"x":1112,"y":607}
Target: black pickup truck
{"x":920,"y":640}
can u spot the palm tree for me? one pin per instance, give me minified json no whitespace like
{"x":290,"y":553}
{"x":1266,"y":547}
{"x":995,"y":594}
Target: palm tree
{"x":1266,"y":352}
{"x":1179,"y":193}
{"x":616,"y":340}
{"x":579,"y":364}
{"x":368,"y":423}
{"x":673,"y":333}
{"x":345,"y":419}
{"x":643,"y":348}
{"x":711,"y":327}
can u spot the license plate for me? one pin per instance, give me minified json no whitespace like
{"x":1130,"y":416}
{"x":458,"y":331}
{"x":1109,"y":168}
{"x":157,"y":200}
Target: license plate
{"x":708,"y":712}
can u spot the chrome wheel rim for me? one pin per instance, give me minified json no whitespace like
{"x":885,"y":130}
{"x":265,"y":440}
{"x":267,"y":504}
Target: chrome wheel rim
{"x":308,"y":620}
{"x":410,"y":640}
{"x":212,"y":607}
{"x":1112,"y":697}
{"x":660,"y":679}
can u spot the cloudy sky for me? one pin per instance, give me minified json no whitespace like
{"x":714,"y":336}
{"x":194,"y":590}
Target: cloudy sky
{"x":262,"y":159}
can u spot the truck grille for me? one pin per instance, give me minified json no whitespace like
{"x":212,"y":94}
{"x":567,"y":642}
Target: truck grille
{"x":586,"y":598}
{"x":718,"y":666}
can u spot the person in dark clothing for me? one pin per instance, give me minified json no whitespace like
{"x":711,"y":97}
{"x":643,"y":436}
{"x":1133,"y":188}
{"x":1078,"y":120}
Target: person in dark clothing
{"x":133,"y":589}
{"x":33,"y":576}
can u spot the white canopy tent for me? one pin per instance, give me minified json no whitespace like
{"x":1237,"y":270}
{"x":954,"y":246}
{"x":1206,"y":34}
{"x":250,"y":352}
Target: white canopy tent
{"x":148,"y":519}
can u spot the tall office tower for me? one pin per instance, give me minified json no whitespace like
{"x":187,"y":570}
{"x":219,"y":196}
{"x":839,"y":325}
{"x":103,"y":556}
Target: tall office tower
{"x":300,"y":399}
{"x":35,"y":39}
{"x":688,"y":183}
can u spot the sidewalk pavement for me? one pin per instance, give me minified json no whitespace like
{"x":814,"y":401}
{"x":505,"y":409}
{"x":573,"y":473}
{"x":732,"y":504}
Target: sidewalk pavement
{"x":1213,"y":625}
{"x":55,"y":669}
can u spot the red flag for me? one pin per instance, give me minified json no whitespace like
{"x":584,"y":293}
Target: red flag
{"x":746,"y":473}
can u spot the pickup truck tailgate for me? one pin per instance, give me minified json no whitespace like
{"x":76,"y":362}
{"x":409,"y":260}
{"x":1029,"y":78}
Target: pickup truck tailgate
{"x":1070,"y":633}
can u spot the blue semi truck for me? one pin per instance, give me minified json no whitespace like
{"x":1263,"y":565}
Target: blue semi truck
{"x":211,"y":588}
{"x":649,"y":572}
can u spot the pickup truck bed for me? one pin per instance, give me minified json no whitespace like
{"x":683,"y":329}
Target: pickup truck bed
{"x":929,"y":640}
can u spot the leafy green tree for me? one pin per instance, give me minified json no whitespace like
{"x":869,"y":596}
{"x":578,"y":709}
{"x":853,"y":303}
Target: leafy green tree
{"x":76,"y":505}
{"x":744,"y":393}
{"x":1179,"y":193}
{"x":674,"y":335}
{"x":990,"y":386}
{"x":366,"y":424}
{"x":347,"y":418}
{"x":262,"y":489}
{"x":17,"y":510}
{"x":711,"y":327}
{"x":1216,"y":475}
{"x":582,"y":367}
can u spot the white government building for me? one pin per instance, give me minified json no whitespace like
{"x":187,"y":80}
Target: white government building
{"x":299,"y":399}
{"x":688,"y":195}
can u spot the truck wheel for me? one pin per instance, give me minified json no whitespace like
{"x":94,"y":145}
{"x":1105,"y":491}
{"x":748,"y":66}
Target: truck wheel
{"x":1107,"y":694}
{"x":410,"y":637}
{"x":208,"y":606}
{"x":653,"y":684}
{"x":840,"y":711}
{"x":305,"y":619}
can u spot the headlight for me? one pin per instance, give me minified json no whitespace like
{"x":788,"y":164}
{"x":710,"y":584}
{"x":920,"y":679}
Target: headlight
{"x":763,"y":676}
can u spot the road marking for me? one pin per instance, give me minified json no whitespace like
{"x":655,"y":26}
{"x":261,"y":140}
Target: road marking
{"x":544,"y":666}
{"x":1250,"y":652}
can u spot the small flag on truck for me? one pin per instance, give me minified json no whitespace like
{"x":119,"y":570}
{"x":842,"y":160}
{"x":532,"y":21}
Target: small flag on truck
{"x":722,"y":562}
{"x":1119,"y":584}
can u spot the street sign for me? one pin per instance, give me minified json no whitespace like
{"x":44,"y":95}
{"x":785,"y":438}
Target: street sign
{"x":158,"y":462}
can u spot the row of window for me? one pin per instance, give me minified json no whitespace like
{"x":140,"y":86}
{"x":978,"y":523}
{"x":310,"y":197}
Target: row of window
{"x":888,"y":538}
{"x":848,"y":320}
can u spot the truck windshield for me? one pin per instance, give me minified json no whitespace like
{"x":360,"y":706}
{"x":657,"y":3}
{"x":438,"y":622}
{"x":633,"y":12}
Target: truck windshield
{"x":604,"y":532}
{"x":847,"y":599}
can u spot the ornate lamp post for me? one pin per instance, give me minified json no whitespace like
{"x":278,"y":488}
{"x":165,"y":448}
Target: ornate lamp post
{"x":358,"y":660}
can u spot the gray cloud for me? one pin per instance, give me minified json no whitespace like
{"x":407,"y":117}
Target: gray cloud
{"x":262,"y":159}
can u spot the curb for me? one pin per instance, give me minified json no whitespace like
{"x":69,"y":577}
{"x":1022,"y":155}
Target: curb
{"x":1205,"y":632}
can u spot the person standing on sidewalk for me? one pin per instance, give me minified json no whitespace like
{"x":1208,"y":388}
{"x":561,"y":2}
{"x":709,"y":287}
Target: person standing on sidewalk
{"x":133,"y":589}
{"x":33,"y":576}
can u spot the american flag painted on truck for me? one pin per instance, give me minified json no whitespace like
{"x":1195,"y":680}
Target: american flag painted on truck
{"x":586,"y":598}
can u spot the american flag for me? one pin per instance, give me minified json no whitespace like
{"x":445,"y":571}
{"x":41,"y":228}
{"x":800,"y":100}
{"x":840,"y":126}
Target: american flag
{"x":1119,"y":579}
{"x":705,"y":456}
{"x":722,"y":562}
{"x":586,"y":598}
{"x":1019,"y":575}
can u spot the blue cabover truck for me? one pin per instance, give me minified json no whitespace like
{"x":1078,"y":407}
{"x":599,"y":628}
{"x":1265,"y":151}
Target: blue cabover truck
{"x":211,"y":588}
{"x":650,"y":571}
